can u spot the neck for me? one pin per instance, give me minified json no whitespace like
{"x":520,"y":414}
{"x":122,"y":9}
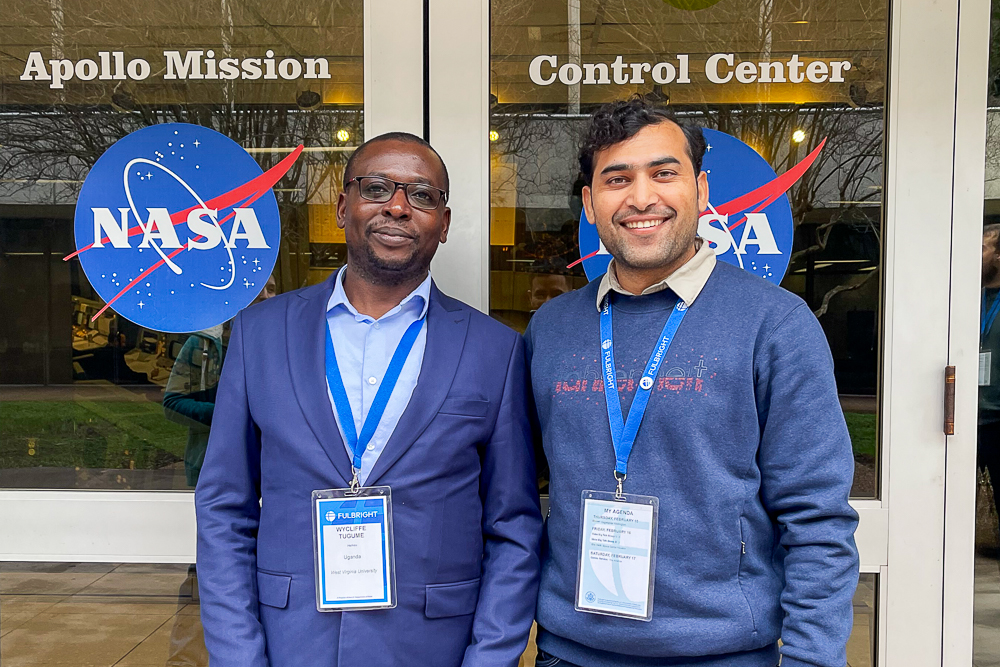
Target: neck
{"x":376,"y":300}
{"x":993,"y":282}
{"x":636,"y":280}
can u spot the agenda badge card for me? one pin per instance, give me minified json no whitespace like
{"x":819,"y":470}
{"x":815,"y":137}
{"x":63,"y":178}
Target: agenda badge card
{"x":985,"y":363}
{"x":353,"y":549}
{"x":617,"y":556}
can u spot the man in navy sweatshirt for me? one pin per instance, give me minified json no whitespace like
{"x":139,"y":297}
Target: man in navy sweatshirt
{"x":700,"y":463}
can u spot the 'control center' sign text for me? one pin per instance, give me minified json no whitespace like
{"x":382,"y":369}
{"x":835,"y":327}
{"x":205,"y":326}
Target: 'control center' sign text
{"x":719,"y":68}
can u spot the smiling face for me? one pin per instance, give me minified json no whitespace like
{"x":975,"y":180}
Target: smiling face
{"x":393,"y":242}
{"x":645,"y":199}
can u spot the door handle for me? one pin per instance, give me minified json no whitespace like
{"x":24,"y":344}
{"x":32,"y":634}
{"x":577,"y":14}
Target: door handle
{"x":949,"y":400}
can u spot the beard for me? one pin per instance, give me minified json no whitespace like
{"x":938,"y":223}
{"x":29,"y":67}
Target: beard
{"x":384,"y":271}
{"x":669,"y":247}
{"x":990,"y":272}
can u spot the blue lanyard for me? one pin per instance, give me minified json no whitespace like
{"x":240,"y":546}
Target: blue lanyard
{"x":986,"y":318}
{"x":339,"y":393}
{"x":623,"y":434}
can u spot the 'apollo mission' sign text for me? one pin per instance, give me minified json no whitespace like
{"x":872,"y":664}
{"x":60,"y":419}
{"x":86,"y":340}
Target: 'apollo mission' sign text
{"x":719,"y":68}
{"x":187,"y":65}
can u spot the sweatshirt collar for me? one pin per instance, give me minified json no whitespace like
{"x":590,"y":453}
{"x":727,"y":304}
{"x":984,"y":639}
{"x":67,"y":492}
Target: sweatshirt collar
{"x":686,"y":282}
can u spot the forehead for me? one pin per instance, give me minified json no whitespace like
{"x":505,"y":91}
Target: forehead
{"x":401,"y":161}
{"x":665,"y":139}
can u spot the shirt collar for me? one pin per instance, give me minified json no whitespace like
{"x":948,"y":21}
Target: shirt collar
{"x":339,"y":298}
{"x":686,"y":282}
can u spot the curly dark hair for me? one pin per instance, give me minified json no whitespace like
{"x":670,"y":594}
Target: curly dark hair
{"x":621,"y":120}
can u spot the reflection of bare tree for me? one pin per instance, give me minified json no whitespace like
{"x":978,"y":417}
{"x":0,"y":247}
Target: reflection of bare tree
{"x":49,"y":139}
{"x":843,"y":189}
{"x":61,"y":144}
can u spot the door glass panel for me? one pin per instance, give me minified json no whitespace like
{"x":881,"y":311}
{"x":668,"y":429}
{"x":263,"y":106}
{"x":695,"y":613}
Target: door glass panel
{"x":986,"y":615}
{"x":96,"y":401}
{"x":739,"y":68}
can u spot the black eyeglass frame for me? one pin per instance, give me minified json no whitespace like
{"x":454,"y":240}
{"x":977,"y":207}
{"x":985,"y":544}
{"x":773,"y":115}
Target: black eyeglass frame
{"x":396,"y":186}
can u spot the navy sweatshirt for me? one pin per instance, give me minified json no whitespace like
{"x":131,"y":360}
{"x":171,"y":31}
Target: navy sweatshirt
{"x":744,"y":443}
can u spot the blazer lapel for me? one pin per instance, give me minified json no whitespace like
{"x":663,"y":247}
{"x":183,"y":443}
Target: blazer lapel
{"x":447,"y":325}
{"x":306,"y":344}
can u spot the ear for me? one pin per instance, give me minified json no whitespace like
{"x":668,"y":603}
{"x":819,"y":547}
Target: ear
{"x":446,"y":219}
{"x":588,"y":204}
{"x":702,"y":192}
{"x":342,"y":210}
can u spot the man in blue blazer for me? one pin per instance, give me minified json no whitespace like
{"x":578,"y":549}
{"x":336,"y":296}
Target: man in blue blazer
{"x":452,"y":441}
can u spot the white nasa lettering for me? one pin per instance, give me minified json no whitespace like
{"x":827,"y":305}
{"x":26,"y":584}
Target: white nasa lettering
{"x":104,"y":223}
{"x":246,"y":218}
{"x":757,"y":223}
{"x":158,"y":226}
{"x":763,"y":236}
{"x":210,"y":230}
{"x":720,"y":236}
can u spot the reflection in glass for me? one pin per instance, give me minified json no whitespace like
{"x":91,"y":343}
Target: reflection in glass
{"x":100,"y":614}
{"x":986,"y":613}
{"x":536,"y":125}
{"x":99,"y":402}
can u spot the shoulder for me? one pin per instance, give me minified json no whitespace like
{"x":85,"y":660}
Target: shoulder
{"x":776,"y":316}
{"x":730,"y":291}
{"x":270,"y":313}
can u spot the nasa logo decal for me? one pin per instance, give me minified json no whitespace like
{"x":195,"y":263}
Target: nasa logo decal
{"x":177,"y":228}
{"x":753,"y":229}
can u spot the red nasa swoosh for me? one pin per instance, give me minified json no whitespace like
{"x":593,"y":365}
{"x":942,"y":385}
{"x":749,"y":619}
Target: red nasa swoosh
{"x":245,"y":194}
{"x":761,"y":197}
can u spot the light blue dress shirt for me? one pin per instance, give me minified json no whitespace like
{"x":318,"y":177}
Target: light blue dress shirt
{"x":364,"y":347}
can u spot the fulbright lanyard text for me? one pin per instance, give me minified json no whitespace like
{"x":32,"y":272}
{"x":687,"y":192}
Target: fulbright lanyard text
{"x":623,"y":433}
{"x":354,"y":441}
{"x":986,"y":318}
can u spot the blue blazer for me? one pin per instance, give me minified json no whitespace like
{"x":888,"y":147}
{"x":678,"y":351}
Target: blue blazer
{"x":464,"y":497}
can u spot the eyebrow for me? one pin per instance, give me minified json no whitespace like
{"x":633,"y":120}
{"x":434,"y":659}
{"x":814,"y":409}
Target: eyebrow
{"x":419,"y":179}
{"x":621,"y":166}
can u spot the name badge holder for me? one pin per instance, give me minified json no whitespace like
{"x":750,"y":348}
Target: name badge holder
{"x":986,"y":319}
{"x":352,"y":538}
{"x":354,"y":556}
{"x":616,"y":560}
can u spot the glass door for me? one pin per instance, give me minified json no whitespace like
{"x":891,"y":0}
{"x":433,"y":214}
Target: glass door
{"x":874,"y":130}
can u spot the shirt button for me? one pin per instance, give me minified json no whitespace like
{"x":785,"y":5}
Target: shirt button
{"x":372,"y":380}
{"x":376,"y":325}
{"x":371,"y":446}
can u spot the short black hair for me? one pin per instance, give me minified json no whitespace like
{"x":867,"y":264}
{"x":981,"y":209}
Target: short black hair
{"x":393,"y":136}
{"x":621,"y":120}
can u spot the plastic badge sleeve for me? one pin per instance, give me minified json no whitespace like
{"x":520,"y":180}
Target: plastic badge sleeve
{"x":353,"y":549}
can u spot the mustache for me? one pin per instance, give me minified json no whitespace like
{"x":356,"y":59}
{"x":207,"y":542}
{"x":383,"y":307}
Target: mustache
{"x":386,"y":226}
{"x":662,"y":212}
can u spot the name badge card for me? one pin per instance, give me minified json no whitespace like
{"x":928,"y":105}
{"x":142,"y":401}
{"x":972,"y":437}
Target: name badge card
{"x":352,"y":543}
{"x":617,"y":557}
{"x":985,"y":363}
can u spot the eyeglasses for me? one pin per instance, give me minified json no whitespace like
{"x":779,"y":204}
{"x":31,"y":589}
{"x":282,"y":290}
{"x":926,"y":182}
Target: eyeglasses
{"x":378,"y":189}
